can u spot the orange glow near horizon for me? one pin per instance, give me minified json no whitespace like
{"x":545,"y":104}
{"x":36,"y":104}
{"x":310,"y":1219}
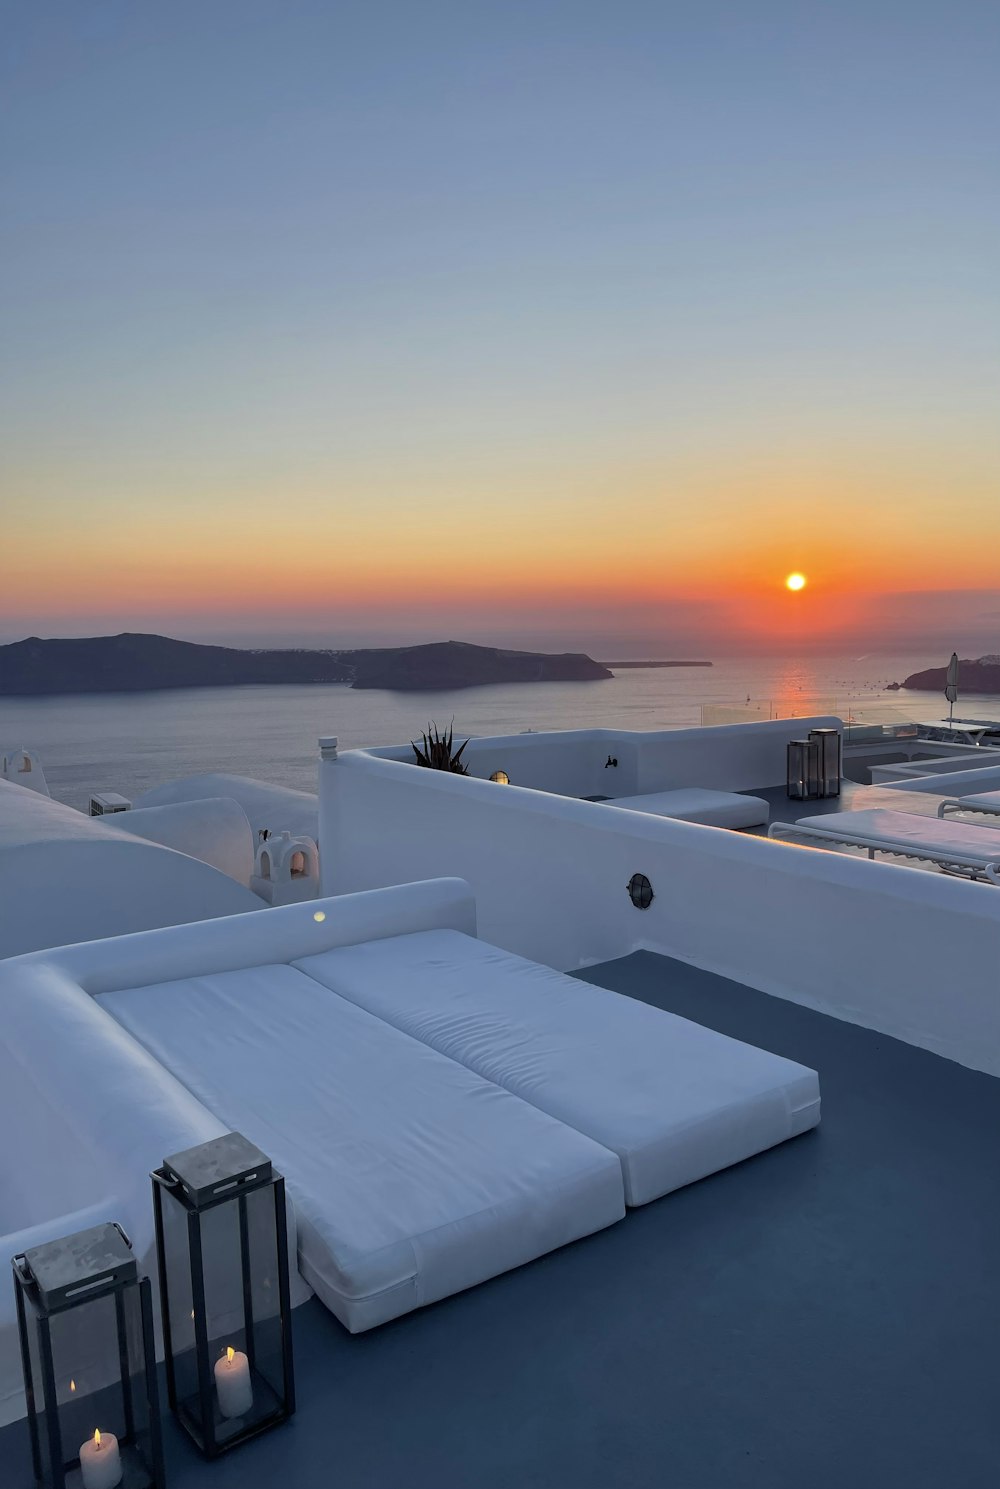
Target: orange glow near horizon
{"x":702,"y":550}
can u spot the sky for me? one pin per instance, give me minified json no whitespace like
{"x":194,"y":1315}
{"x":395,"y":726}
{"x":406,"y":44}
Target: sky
{"x":544,"y":322}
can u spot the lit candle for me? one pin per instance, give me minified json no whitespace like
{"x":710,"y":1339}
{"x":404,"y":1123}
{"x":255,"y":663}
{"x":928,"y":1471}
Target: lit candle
{"x":100,"y":1462}
{"x":232,"y":1383}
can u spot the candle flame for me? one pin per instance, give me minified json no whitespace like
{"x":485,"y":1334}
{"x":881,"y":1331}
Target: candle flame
{"x":97,"y":1437}
{"x":72,"y":1385}
{"x":230,"y":1353}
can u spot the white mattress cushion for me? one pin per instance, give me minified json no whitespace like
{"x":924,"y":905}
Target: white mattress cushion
{"x":695,"y":804}
{"x":411,"y":1177}
{"x":880,"y":827}
{"x":674,"y":1100}
{"x":987,"y":800}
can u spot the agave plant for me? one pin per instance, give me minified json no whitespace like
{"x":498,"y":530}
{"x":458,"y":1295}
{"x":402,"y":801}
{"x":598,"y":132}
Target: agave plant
{"x":438,"y":752}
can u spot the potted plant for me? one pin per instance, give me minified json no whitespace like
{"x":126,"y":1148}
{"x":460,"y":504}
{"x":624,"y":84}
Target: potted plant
{"x":438,"y":752}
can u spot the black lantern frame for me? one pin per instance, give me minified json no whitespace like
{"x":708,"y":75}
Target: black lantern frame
{"x":831,"y":759}
{"x":222,"y":1251}
{"x":85,"y":1321}
{"x":803,"y":780}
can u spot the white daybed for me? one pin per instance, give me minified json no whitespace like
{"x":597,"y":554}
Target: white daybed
{"x":414,"y":1170}
{"x":954,"y":846}
{"x":696,"y":804}
{"x":674,"y":1100}
{"x":411,"y":1177}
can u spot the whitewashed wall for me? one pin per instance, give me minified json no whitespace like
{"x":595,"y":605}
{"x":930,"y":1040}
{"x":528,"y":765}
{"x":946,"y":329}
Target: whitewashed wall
{"x":570,"y":762}
{"x":910,"y":770}
{"x":573,"y":762}
{"x":873,"y":943}
{"x":953,"y":782}
{"x":214,"y":830}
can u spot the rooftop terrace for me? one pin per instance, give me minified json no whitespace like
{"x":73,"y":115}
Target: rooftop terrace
{"x":825,"y":1314}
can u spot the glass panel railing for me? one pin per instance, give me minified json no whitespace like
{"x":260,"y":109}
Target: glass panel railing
{"x":862,"y":719}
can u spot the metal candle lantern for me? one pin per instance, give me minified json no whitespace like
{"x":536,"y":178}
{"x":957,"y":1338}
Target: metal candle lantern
{"x":222,"y":1248}
{"x":85,"y":1320}
{"x":803,"y":769}
{"x":830,"y":759}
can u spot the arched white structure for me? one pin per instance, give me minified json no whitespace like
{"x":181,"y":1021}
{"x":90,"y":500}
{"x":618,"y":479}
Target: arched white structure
{"x":214,"y":830}
{"x":66,"y":878}
{"x":276,"y":808}
{"x":286,"y":870}
{"x":22,"y":767}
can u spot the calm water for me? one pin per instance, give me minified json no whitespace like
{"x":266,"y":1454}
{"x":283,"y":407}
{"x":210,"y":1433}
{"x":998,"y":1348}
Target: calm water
{"x":129,"y":742}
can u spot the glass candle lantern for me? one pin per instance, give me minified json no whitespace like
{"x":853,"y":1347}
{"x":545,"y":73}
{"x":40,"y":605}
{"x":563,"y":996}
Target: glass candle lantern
{"x":830,"y":759}
{"x":803,"y":769}
{"x":222,"y":1249}
{"x":85,"y":1320}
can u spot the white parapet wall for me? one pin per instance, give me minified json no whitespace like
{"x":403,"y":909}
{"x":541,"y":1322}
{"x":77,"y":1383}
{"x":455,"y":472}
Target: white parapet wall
{"x":952,"y":782}
{"x":609,"y":762}
{"x":873,"y":943}
{"x":913,"y":770}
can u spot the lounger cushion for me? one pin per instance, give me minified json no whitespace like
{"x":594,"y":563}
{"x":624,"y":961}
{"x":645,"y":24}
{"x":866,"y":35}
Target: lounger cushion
{"x":910,"y":832}
{"x":411,"y":1177}
{"x":984,"y":801}
{"x":710,"y":808}
{"x":674,"y":1100}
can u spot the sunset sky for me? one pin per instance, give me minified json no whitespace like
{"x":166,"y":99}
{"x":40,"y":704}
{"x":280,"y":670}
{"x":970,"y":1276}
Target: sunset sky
{"x":556,"y":322}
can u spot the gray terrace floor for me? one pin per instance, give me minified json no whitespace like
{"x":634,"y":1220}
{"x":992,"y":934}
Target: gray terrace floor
{"x":825,"y":1315}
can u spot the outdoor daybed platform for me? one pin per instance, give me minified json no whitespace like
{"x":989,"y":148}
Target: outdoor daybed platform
{"x":443,"y":1111}
{"x":696,"y":804}
{"x":824,"y":1315}
{"x":411,"y":1178}
{"x":478,"y":1112}
{"x":673,"y":1100}
{"x":952,"y":845}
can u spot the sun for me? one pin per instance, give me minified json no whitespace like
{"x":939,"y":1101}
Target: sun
{"x":795,"y":581}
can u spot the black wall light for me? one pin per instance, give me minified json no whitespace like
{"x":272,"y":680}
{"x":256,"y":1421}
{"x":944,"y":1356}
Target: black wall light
{"x":640,"y":891}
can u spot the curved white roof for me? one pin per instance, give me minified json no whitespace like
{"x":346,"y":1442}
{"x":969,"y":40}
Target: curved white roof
{"x":275,"y":807}
{"x":66,"y":878}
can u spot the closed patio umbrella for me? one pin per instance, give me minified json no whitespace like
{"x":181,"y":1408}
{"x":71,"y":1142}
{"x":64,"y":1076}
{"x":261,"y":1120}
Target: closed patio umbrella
{"x":951,"y":684}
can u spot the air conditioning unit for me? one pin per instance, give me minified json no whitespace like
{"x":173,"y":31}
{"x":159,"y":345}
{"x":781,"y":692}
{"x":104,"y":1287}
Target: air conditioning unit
{"x":107,"y":802}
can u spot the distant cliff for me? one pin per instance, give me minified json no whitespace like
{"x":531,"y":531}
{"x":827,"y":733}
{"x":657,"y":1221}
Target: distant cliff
{"x":456,"y":664}
{"x":133,"y":663}
{"x":982,"y":676}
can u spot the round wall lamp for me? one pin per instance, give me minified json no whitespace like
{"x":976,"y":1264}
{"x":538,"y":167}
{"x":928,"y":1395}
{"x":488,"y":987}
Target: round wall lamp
{"x":640,"y":891}
{"x":501,"y":777}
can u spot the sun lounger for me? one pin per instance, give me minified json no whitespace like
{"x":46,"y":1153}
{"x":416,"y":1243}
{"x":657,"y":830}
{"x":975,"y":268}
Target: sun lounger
{"x":674,"y":1100}
{"x":695,"y":804}
{"x":988,"y":803}
{"x":956,"y":847}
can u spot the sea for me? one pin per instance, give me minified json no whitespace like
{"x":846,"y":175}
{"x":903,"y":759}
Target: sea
{"x":129,"y":742}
